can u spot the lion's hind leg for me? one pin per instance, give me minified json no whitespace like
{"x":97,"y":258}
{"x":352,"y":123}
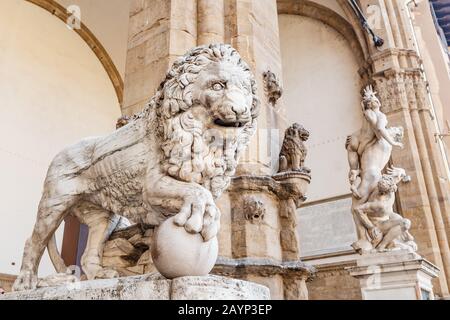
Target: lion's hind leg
{"x":98,"y":221}
{"x":51,"y":213}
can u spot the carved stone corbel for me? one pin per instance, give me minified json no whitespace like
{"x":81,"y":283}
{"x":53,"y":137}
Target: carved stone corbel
{"x":273,"y":87}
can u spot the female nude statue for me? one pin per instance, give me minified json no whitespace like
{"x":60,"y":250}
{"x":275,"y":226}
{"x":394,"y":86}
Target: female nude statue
{"x":370,"y":148}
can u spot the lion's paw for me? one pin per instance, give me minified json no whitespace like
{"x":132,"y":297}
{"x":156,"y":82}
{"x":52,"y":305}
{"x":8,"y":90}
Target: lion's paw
{"x":26,"y":280}
{"x":199,"y":214}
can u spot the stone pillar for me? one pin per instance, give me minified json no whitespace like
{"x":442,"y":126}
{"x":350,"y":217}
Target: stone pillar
{"x":251,"y":26}
{"x":159,"y":32}
{"x":396,"y":69}
{"x":264,"y":242}
{"x":396,"y":275}
{"x":211,"y":21}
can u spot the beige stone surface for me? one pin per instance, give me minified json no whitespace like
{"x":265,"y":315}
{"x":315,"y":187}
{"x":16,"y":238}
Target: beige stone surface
{"x":395,"y":275}
{"x":211,"y":21}
{"x":149,"y":287}
{"x":286,"y":280}
{"x":146,"y":258}
{"x":217,"y":288}
{"x":333,"y":281}
{"x":326,"y":227}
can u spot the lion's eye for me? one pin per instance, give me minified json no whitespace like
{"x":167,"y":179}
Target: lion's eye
{"x":217,"y":86}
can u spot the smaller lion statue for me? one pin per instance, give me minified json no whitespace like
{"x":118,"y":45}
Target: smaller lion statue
{"x":293,"y":152}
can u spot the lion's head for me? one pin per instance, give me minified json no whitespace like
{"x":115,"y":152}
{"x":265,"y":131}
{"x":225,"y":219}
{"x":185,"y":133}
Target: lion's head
{"x":299,"y":132}
{"x":205,"y":111}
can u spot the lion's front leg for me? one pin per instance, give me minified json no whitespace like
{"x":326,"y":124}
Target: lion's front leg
{"x":198,"y":212}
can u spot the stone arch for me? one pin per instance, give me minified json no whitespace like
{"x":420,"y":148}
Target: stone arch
{"x":351,"y":31}
{"x":85,"y":33}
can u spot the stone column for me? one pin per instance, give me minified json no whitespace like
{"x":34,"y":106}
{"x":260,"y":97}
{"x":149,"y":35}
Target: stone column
{"x":211,"y":21}
{"x":251,"y":26}
{"x":159,"y":32}
{"x":397,"y":73}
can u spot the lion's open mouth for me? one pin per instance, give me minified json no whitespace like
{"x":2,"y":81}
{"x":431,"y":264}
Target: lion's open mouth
{"x":230,"y":124}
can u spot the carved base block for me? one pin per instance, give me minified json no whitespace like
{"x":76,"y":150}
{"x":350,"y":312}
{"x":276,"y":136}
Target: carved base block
{"x":149,"y":287}
{"x":286,"y":280}
{"x":395,"y":275}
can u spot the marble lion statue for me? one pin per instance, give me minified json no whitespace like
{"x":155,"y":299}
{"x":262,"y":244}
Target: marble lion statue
{"x":172,"y":159}
{"x":293,"y":151}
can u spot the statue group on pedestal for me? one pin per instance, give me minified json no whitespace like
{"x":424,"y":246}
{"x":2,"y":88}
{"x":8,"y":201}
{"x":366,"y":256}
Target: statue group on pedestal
{"x":373,"y":184}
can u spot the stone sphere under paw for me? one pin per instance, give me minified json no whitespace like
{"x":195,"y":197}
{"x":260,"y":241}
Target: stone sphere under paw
{"x":177,"y":253}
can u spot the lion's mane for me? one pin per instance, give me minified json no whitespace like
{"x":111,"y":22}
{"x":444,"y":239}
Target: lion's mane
{"x":189,"y":153}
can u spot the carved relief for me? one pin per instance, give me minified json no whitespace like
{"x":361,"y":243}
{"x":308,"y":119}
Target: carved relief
{"x":254,"y":210}
{"x":272,"y":86}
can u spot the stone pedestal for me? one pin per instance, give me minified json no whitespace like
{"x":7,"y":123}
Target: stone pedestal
{"x":395,"y":275}
{"x":263,"y":243}
{"x":149,"y":287}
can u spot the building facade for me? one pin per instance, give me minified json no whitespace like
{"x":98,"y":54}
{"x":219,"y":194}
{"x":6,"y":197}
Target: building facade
{"x":71,"y":68}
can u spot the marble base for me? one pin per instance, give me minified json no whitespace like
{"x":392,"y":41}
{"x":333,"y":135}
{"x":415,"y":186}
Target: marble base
{"x":395,"y":275}
{"x":149,"y":287}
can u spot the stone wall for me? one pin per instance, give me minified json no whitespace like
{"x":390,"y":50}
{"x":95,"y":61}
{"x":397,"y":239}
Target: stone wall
{"x":333,"y":282}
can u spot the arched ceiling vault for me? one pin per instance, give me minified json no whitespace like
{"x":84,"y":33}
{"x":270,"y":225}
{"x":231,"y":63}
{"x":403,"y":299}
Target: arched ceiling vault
{"x":350,"y":29}
{"x":60,"y":12}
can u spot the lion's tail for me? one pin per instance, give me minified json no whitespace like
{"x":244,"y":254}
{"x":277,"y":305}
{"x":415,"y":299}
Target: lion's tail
{"x":55,"y":257}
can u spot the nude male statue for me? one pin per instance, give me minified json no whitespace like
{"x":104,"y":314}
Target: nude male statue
{"x":383,"y":225}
